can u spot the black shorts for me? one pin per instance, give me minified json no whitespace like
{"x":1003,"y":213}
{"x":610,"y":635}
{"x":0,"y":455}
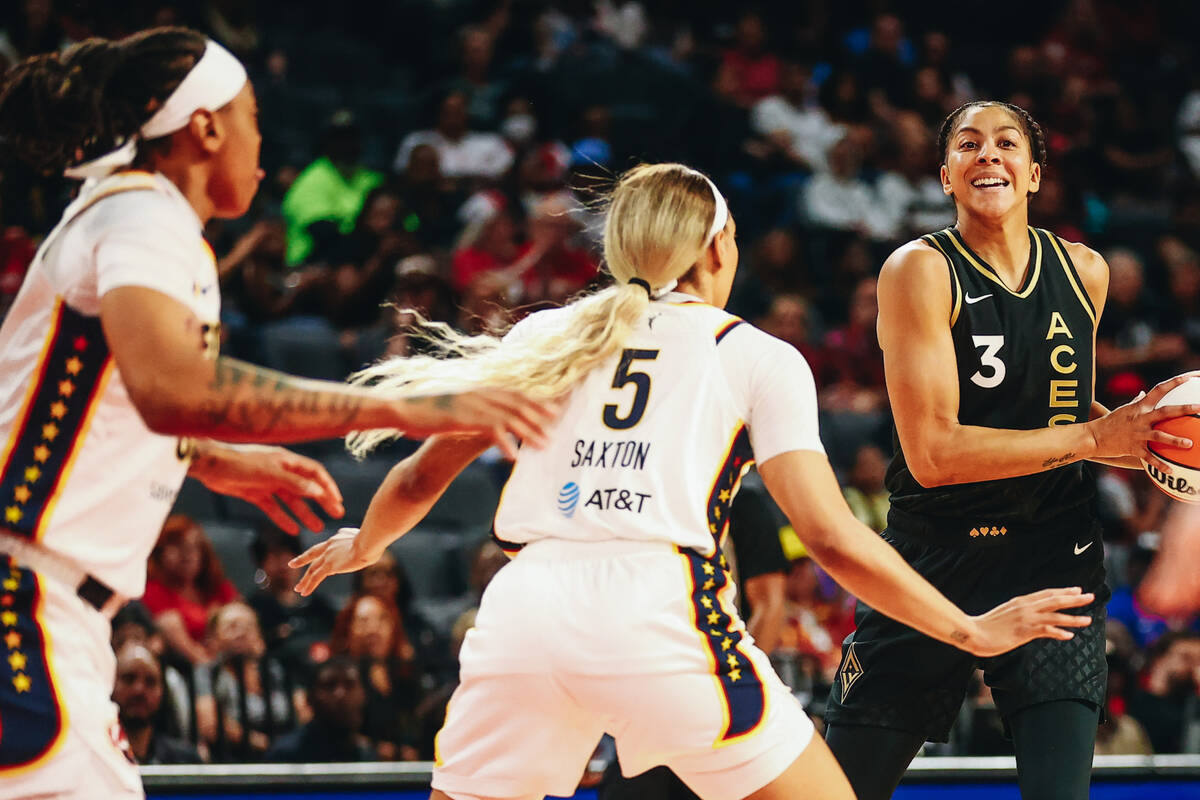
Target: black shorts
{"x":891,"y":676}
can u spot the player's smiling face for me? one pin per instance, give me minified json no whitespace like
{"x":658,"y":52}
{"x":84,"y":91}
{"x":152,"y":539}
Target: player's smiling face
{"x":989,"y":166}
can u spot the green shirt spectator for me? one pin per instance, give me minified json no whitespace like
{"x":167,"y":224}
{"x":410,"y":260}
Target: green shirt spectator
{"x":323,"y":191}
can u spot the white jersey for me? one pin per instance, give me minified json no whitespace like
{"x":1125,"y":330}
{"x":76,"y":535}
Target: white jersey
{"x":652,"y":445}
{"x":80,"y":473}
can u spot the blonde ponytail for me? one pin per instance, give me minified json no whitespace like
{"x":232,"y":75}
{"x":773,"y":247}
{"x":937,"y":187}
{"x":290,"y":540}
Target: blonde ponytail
{"x":656,"y":229}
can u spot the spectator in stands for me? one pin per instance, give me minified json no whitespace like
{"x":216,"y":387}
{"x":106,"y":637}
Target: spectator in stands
{"x":258,"y":283}
{"x":338,"y":700}
{"x":864,"y":490}
{"x":563,"y":268}
{"x":798,"y":129}
{"x":1145,"y":628}
{"x":388,"y":579}
{"x":430,"y":198}
{"x":1120,"y":734}
{"x":291,"y":624}
{"x":909,"y":190}
{"x":1132,"y":335}
{"x":1183,"y":302}
{"x":184,"y":585}
{"x":243,"y":698}
{"x":333,"y":187}
{"x":817,"y":617}
{"x":463,"y":154}
{"x":365,"y":260}
{"x":16,"y":253}
{"x":138,"y":694}
{"x":370,"y":631}
{"x":839,"y":198}
{"x":488,"y":244}
{"x":1166,"y":703}
{"x":790,"y":319}
{"x":755,"y":69}
{"x":480,"y":89}
{"x":886,"y":66}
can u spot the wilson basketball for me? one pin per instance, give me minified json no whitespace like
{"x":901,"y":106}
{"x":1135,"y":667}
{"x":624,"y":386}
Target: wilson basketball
{"x":1184,"y":482}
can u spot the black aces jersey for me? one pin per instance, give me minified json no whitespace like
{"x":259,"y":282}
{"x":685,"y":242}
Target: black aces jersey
{"x":1024,"y":361}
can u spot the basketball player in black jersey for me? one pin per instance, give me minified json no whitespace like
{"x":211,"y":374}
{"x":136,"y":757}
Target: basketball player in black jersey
{"x":987,"y":331}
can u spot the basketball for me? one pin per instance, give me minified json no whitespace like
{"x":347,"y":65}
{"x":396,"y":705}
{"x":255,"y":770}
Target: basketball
{"x":1184,"y":482}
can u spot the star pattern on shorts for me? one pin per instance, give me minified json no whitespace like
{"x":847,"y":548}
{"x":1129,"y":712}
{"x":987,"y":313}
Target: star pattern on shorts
{"x":21,"y":683}
{"x":74,"y":365}
{"x":17,"y":660}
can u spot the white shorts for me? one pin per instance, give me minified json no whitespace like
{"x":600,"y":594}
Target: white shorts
{"x":638,"y":640}
{"x":59,"y":735}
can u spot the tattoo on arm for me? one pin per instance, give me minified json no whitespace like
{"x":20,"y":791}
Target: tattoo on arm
{"x":248,"y":399}
{"x":1063,"y":459}
{"x":958,"y":636}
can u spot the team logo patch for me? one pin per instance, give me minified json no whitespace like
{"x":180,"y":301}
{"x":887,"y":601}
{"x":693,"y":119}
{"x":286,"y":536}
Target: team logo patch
{"x":850,"y":671}
{"x":568,"y":498}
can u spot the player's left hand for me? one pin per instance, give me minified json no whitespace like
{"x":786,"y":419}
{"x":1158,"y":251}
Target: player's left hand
{"x":335,"y":555}
{"x":270,"y":478}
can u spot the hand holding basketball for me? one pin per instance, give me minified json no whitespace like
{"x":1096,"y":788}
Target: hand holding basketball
{"x":1131,"y":429}
{"x":1175,"y":466}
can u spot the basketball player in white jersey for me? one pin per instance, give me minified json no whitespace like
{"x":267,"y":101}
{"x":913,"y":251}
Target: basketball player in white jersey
{"x":109,"y":376}
{"x":617,"y":612}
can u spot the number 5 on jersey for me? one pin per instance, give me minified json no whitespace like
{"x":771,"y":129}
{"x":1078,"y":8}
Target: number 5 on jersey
{"x":641,"y":382}
{"x":987,"y":359}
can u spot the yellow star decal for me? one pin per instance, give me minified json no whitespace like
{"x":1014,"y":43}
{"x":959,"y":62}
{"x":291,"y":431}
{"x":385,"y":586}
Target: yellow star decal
{"x":22,"y":683}
{"x":724,"y":563}
{"x":708,"y":584}
{"x":717,"y":512}
{"x":66,"y":388}
{"x":724,"y":496}
{"x":8,"y":619}
{"x":713,"y":616}
{"x":41,"y":453}
{"x":726,"y":643}
{"x":13,"y":640}
{"x":708,"y":568}
{"x":17,"y":661}
{"x":735,"y":674}
{"x":50,"y":431}
{"x":74,"y":365}
{"x":13,"y":514}
{"x":712,"y":527}
{"x":32,"y":474}
{"x":705,"y":601}
{"x":11,"y":584}
{"x":21,"y":494}
{"x":731,"y":660}
{"x":58,"y":409}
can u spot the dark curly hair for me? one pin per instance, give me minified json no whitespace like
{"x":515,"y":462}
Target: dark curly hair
{"x":61,"y":109}
{"x":1033,"y":131}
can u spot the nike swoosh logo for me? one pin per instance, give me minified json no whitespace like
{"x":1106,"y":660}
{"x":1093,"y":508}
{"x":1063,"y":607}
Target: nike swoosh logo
{"x":972,"y":300}
{"x":1079,"y":549}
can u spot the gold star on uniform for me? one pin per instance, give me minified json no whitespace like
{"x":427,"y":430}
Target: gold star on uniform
{"x":713,"y":616}
{"x":13,"y":640}
{"x":712,"y":527}
{"x":17,"y":661}
{"x":724,"y":496}
{"x":58,"y":409}
{"x":731,"y":660}
{"x":708,"y":568}
{"x":726,"y":643}
{"x":717,"y":512}
{"x":32,"y":474}
{"x":66,"y":388}
{"x":708,"y":584}
{"x":705,"y":601}
{"x":11,"y":584}
{"x":735,"y":674}
{"x":74,"y":365}
{"x":22,"y":683}
{"x":723,"y":562}
{"x":8,"y":619}
{"x":21,"y":494}
{"x":41,"y":453}
{"x":13,"y":514}
{"x":50,"y":431}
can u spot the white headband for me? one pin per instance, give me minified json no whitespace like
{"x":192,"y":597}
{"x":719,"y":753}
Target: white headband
{"x":212,"y":83}
{"x":720,"y":213}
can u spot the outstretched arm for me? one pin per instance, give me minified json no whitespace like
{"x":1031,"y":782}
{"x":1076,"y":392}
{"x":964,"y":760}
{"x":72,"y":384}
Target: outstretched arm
{"x":168,"y":362}
{"x":803,"y":484}
{"x":402,"y":500}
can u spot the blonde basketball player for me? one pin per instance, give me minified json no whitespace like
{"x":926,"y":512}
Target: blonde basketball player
{"x":616,"y":614}
{"x":108,"y":367}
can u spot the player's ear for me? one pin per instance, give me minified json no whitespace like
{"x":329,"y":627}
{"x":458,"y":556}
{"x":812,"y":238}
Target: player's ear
{"x":1035,"y":178}
{"x":207,"y":130}
{"x":944,"y":174}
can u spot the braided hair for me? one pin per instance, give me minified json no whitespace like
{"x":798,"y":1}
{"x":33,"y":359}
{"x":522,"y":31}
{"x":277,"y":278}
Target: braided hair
{"x":1033,"y":131}
{"x":61,"y":109}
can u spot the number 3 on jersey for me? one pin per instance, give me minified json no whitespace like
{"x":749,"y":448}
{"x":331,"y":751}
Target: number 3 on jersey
{"x":641,"y":382}
{"x":987,"y":359}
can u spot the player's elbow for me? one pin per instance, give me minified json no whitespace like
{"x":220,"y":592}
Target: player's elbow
{"x":930,"y":468}
{"x":161,"y":409}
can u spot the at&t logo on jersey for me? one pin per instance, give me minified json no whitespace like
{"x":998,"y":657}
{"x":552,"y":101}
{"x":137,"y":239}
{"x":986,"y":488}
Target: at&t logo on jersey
{"x":568,"y":498}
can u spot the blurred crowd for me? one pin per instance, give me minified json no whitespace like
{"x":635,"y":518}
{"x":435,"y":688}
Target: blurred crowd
{"x":447,"y":158}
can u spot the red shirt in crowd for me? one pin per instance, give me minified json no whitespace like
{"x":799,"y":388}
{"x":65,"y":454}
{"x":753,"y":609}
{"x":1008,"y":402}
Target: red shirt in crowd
{"x":161,"y":598}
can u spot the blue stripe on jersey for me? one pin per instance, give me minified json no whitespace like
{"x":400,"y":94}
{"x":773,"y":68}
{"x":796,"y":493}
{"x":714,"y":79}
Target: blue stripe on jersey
{"x":31,"y":719}
{"x":727,"y":327}
{"x":738,"y":459}
{"x":46,"y":437}
{"x":741,"y":687}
